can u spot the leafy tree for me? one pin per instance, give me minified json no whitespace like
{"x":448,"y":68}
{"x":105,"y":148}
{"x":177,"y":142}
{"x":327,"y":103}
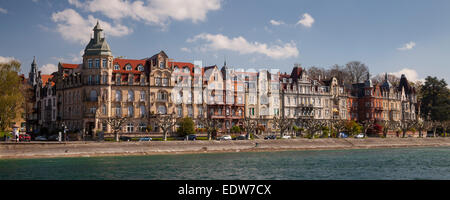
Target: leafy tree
{"x":11,"y":97}
{"x":235,"y":129}
{"x":353,"y":128}
{"x":435,"y":99}
{"x":186,"y":127}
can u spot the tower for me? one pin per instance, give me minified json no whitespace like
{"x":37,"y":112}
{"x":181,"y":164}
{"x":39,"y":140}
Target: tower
{"x":32,"y":76}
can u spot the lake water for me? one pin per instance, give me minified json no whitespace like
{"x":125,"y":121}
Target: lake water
{"x":359,"y":164}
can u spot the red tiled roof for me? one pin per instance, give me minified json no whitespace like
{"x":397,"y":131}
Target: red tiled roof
{"x":69,"y":66}
{"x":123,"y":62}
{"x":181,"y":65}
{"x":45,"y":78}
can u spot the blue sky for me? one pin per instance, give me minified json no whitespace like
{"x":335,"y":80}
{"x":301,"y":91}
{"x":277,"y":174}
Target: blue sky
{"x":402,"y":36}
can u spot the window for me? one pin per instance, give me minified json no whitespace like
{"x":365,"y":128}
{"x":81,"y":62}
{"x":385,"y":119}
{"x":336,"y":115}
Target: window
{"x":130,"y":95}
{"x":190,"y":111}
{"x":89,"y":80}
{"x":180,"y":111}
{"x":105,"y":79}
{"x":105,"y":63}
{"x":142,"y":95}
{"x":103,"y":109}
{"x":130,"y":111}
{"x":142,"y":127}
{"x":165,"y":82}
{"x":97,"y":79}
{"x":157,"y":81}
{"x":118,"y":79}
{"x":162,"y":110}
{"x":130,"y":127}
{"x":162,"y":65}
{"x":130,"y":79}
{"x":92,"y":110}
{"x":89,"y":63}
{"x":116,"y":67}
{"x":141,"y":68}
{"x":128,"y":67}
{"x":97,"y":63}
{"x":118,"y":95}
{"x":142,"y":109}
{"x":93,"y":95}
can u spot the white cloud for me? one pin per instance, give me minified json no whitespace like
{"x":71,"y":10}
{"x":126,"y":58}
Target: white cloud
{"x":306,"y":21}
{"x":407,"y":46}
{"x":157,"y":12}
{"x":410,"y":74}
{"x":241,"y":45}
{"x":48,"y":69}
{"x":6,"y":59}
{"x":276,"y":23}
{"x":185,"y":49}
{"x":4,"y":11}
{"x":73,"y":27}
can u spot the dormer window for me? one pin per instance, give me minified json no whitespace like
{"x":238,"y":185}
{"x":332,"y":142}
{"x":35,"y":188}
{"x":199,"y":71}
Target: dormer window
{"x":141,"y":68}
{"x":128,"y":67}
{"x":176,"y":69}
{"x":116,"y":67}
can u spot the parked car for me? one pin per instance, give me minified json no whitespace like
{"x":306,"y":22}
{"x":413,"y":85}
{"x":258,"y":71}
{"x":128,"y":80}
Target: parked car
{"x":53,"y":138}
{"x":225,"y":137}
{"x":191,"y":137}
{"x":40,"y":138}
{"x":270,"y":137}
{"x":361,"y":135}
{"x":145,"y":139}
{"x":286,"y":137}
{"x":24,"y":137}
{"x":124,"y":138}
{"x":343,"y":135}
{"x":241,"y":137}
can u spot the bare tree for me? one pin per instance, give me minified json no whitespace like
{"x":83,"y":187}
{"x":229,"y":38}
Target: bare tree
{"x":380,"y":78}
{"x":316,"y":72}
{"x":312,"y":126}
{"x":211,"y":125}
{"x":249,"y":125}
{"x":388,"y":125}
{"x":164,"y":121}
{"x":356,"y":70}
{"x":282,"y":123}
{"x":406,"y":125}
{"x":423,"y":126}
{"x":367,"y":124}
{"x":116,"y":124}
{"x":338,"y":125}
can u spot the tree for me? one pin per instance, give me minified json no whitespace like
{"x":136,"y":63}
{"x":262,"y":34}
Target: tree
{"x":116,"y":123}
{"x":235,"y":129}
{"x":338,"y":125}
{"x":313,"y":126}
{"x":165,"y":122}
{"x":281,"y":123}
{"x":357,"y":71}
{"x":211,"y":125}
{"x":11,"y":97}
{"x":435,"y":102}
{"x":353,"y":128}
{"x":423,"y":126}
{"x":250,"y":126}
{"x":388,"y":125}
{"x":186,"y":127}
{"x":366,"y":125}
{"x":406,"y":125}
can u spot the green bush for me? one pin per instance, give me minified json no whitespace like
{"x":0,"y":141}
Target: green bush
{"x":187,"y":127}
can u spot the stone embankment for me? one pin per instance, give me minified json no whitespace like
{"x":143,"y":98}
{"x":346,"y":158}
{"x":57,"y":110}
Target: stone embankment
{"x":88,"y":149}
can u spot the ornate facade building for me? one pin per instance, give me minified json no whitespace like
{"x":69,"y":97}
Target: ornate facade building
{"x":82,"y":96}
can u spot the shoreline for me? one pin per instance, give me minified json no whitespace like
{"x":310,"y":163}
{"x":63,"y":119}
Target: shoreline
{"x":107,"y":149}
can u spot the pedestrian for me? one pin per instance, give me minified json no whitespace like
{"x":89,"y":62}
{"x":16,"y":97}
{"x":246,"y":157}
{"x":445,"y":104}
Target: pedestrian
{"x":16,"y":133}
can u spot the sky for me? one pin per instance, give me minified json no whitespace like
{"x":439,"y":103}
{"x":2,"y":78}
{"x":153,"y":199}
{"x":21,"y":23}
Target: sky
{"x":409,"y":37}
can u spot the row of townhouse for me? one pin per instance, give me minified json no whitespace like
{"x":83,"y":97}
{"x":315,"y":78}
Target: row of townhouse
{"x":80,"y":96}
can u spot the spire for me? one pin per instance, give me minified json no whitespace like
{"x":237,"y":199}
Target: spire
{"x":225,"y":61}
{"x":32,"y":76}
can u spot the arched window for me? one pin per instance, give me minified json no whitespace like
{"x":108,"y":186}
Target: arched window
{"x":116,"y":67}
{"x":141,"y":68}
{"x":176,"y":69}
{"x":128,"y":67}
{"x":93,"y":95}
{"x":186,"y":70}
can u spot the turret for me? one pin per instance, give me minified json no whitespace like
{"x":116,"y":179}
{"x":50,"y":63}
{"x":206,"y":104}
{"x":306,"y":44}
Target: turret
{"x":32,"y":76}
